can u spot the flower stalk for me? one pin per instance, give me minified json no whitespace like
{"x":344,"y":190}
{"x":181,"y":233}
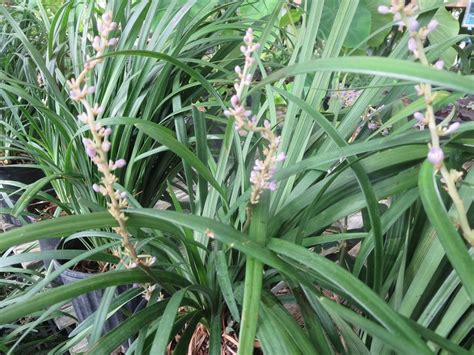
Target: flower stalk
{"x":405,"y":15}
{"x":264,"y":169}
{"x":98,"y":146}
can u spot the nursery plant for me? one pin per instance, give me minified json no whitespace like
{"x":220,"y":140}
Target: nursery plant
{"x":328,"y":202}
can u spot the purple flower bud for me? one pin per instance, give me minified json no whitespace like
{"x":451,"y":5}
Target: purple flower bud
{"x":91,"y":152}
{"x":226,"y":113}
{"x":419,"y":116}
{"x":105,"y":146}
{"x":96,"y":188}
{"x":372,"y":125}
{"x":96,"y":43}
{"x":107,"y":17}
{"x":432,"y":25}
{"x":74,"y":94}
{"x":382,"y":9}
{"x":123,"y":194}
{"x":256,"y":46}
{"x":237,"y":70}
{"x":436,"y":156}
{"x":243,"y":49}
{"x":83,"y":117}
{"x":120,"y":163}
{"x":272,"y":185}
{"x":91,"y":89}
{"x":234,"y":100}
{"x":412,"y":45}
{"x":87,"y":142}
{"x":281,"y":156}
{"x":413,"y":26}
{"x":439,"y":65}
{"x":452,"y":128}
{"x":113,"y":41}
{"x":113,"y":26}
{"x":107,"y":132}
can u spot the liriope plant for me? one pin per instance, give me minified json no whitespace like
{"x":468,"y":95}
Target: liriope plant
{"x":296,"y":250}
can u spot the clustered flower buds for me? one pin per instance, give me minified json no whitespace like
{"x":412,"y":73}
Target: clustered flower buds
{"x":98,"y":146}
{"x":264,"y":169}
{"x":406,"y":17}
{"x":398,"y":8}
{"x":372,"y":125}
{"x":347,"y":96}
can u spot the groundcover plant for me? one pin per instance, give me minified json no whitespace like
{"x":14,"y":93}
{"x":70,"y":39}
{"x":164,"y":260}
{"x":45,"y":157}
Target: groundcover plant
{"x":278,"y":177}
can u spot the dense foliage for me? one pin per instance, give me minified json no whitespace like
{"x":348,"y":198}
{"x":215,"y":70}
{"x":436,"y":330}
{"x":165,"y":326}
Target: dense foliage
{"x":281,"y":197}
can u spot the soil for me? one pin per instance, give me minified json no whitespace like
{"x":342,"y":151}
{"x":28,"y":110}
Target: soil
{"x":88,"y":267}
{"x":464,"y":109}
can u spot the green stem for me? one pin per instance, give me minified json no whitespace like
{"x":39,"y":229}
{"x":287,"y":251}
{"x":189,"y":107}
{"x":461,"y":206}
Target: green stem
{"x":253,"y":279}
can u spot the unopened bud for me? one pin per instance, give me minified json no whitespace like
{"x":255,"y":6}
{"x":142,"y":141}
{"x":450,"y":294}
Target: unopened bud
{"x":436,"y":156}
{"x":432,"y":25}
{"x":113,"y":41}
{"x":120,"y":163}
{"x":382,"y":9}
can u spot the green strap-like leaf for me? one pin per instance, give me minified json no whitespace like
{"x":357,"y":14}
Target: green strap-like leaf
{"x":31,"y":191}
{"x":166,"y":323}
{"x":66,"y":292}
{"x":253,"y":277}
{"x":131,"y":326}
{"x":379,"y":66}
{"x":161,"y":56}
{"x":362,"y":178}
{"x":225,"y":284}
{"x":201,"y":150}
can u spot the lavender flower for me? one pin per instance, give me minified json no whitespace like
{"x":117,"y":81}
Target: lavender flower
{"x":419,"y":116}
{"x":384,"y":9}
{"x":451,"y":129}
{"x":413,"y":26}
{"x":120,"y":163}
{"x":412,"y":46}
{"x":439,"y":65}
{"x":347,"y":96}
{"x":436,"y":156}
{"x":372,"y":126}
{"x":432,"y":25}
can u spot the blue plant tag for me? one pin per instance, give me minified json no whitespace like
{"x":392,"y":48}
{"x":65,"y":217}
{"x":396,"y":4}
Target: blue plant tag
{"x":469,"y":16}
